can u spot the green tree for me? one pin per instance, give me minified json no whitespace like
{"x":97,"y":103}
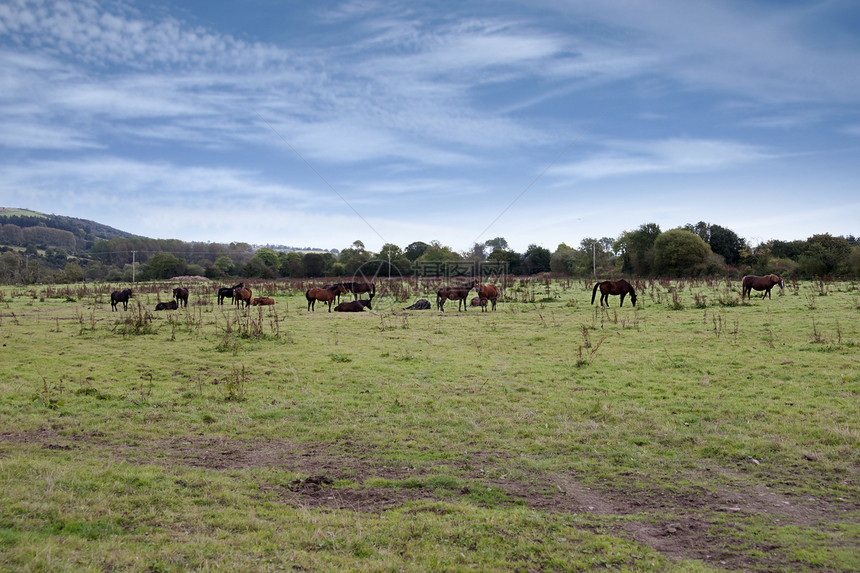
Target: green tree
{"x":636,"y":249}
{"x":415,"y":250}
{"x":313,"y":264}
{"x":535,"y":260}
{"x":678,"y":252}
{"x":824,"y":255}
{"x":224,"y":264}
{"x":162,"y":266}
{"x":293,"y":266}
{"x":563,"y":260}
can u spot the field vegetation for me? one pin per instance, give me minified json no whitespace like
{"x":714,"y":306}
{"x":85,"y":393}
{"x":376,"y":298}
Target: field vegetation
{"x":693,"y":432}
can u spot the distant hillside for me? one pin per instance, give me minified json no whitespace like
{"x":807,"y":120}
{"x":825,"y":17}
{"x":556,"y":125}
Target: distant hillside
{"x":83,"y":229}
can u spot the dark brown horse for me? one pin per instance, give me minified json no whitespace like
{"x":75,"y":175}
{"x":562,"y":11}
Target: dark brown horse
{"x":262,"y":301}
{"x":607,"y":288}
{"x":360,"y":287}
{"x":355,"y":305}
{"x":242,"y":295}
{"x":120,"y":296}
{"x":765,"y":283}
{"x":489,"y":292}
{"x":172,"y":305}
{"x":227,"y":292}
{"x":479,"y":301}
{"x":458,"y":293}
{"x":325,"y":294}
{"x":180,"y":295}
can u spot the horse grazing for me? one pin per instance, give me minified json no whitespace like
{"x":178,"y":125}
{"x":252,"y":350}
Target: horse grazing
{"x":262,"y":301}
{"x":458,"y":293}
{"x":354,"y":306}
{"x":240,"y":295}
{"x":180,"y":295}
{"x":360,"y":287}
{"x":227,"y":292}
{"x":764,"y":283}
{"x":607,"y":288}
{"x":420,"y":304}
{"x":325,"y":294}
{"x":489,"y":292}
{"x":172,"y":305}
{"x":120,"y":296}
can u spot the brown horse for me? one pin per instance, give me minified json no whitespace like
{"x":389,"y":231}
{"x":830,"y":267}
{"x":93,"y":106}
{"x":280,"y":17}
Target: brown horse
{"x":360,"y":287}
{"x":764,"y":283}
{"x":355,"y":305}
{"x":242,"y":295}
{"x":479,"y":301}
{"x":326,"y":294}
{"x":607,"y":288}
{"x":458,"y":293}
{"x":180,"y":295}
{"x":262,"y":301}
{"x":489,"y":292}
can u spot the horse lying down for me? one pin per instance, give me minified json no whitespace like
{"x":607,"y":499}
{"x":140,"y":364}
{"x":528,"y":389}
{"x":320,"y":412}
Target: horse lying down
{"x":354,"y":306}
{"x":172,"y":305}
{"x":422,"y":304}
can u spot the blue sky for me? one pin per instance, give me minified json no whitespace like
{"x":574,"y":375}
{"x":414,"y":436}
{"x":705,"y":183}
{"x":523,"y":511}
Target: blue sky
{"x":322,"y":123}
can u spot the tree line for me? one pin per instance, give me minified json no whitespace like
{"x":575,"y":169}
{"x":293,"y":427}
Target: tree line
{"x":40,"y":254}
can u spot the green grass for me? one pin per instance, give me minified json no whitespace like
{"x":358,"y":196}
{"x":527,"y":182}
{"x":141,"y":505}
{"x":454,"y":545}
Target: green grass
{"x":694,"y":432}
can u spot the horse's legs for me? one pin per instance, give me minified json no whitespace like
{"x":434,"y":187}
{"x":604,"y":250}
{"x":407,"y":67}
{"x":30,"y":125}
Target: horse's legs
{"x":622,"y":299}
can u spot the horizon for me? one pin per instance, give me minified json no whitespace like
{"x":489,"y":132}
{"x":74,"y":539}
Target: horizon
{"x":396,"y":122}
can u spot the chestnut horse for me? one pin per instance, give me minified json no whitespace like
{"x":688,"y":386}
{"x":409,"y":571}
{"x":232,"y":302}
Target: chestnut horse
{"x":489,"y":292}
{"x":326,"y":294}
{"x":458,"y":293}
{"x":180,"y":295}
{"x":765,"y":283}
{"x":262,"y":301}
{"x":607,"y":288}
{"x":241,"y":295}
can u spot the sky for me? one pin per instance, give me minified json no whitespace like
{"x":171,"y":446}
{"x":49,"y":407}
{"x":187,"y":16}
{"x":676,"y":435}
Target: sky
{"x":318,"y":124}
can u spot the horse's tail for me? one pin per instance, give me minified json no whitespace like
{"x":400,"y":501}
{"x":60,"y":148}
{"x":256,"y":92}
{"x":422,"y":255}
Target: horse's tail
{"x":594,"y":292}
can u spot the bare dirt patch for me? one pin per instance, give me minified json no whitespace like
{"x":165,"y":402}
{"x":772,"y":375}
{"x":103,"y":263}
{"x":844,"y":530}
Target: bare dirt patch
{"x":680,"y":524}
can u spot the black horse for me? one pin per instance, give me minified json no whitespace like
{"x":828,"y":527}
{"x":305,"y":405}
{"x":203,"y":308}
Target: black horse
{"x":180,"y":295}
{"x":621,"y":287}
{"x":227,"y":292}
{"x":120,"y":296}
{"x":354,"y":306}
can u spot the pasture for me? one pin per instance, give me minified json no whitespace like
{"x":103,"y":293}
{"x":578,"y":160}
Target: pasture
{"x":693,"y":432}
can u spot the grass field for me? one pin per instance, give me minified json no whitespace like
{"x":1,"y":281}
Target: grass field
{"x":693,"y":432}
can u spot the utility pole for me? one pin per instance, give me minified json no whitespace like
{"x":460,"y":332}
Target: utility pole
{"x":594,"y":258}
{"x":132,"y":265}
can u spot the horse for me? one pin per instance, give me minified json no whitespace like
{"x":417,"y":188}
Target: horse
{"x":262,"y":301}
{"x":458,"y":293}
{"x":764,"y":283}
{"x":227,"y":292}
{"x":420,"y":304}
{"x":607,"y":288}
{"x":354,"y":306}
{"x":120,"y":296}
{"x":326,"y":294}
{"x":479,"y":301}
{"x":180,"y":295}
{"x":489,"y":292}
{"x":240,"y":295}
{"x":360,"y":287}
{"x":172,"y":305}
{"x":344,"y":285}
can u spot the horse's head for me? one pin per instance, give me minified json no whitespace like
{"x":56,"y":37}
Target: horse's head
{"x":777,"y":280}
{"x":632,"y":296}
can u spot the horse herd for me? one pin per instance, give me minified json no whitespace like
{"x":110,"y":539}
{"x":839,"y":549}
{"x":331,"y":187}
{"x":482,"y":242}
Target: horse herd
{"x":327,"y":294}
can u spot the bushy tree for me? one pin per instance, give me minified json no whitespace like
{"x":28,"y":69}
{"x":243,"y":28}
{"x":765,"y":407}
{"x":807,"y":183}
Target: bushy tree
{"x":536,"y":260}
{"x":162,"y":266}
{"x":636,"y":249}
{"x":678,"y":252}
{"x":562,"y":260}
{"x":824,"y":255}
